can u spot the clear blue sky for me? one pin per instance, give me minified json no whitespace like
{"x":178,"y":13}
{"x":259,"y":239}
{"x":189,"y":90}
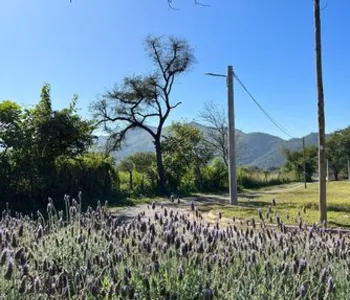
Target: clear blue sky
{"x":87,"y":46}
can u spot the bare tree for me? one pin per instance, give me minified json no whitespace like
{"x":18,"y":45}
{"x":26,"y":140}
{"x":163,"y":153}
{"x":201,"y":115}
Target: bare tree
{"x":217,"y":126}
{"x":217,"y":137}
{"x":321,"y":117}
{"x":140,"y":99}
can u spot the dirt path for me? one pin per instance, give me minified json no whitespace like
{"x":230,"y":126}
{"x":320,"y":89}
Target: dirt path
{"x":283,"y":188}
{"x":224,"y":199}
{"x":128,"y":213}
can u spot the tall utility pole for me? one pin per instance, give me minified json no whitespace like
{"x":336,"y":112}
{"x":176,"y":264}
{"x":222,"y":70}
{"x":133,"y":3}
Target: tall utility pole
{"x":349,"y":169}
{"x":231,"y":134}
{"x":231,"y":137}
{"x":304,"y":163}
{"x":321,"y":118}
{"x":327,"y":166}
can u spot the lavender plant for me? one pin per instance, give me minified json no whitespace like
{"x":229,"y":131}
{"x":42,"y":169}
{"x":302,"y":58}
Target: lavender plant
{"x":166,"y":254}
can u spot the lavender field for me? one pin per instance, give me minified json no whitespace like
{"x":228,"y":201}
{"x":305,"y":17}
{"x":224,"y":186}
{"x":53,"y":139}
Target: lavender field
{"x":166,"y":254}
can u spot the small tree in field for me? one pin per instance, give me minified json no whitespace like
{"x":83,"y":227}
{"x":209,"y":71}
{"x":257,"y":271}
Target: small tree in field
{"x":127,"y":165}
{"x":338,"y":151}
{"x":295,"y":162}
{"x":140,"y":99}
{"x":185,"y":150}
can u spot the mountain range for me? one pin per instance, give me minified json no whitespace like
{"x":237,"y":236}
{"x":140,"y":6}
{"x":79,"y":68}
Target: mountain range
{"x":254,"y":149}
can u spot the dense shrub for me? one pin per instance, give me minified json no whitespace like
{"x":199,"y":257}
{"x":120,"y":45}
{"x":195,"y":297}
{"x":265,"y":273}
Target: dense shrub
{"x":215,"y":176}
{"x":92,"y":173}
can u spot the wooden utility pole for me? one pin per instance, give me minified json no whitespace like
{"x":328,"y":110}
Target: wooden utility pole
{"x":321,"y":117}
{"x":231,"y":134}
{"x":304,"y":163}
{"x":231,"y":137}
{"x":349,"y":169}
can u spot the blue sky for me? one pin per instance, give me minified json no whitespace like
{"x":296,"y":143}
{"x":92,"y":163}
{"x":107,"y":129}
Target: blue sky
{"x":87,"y":46}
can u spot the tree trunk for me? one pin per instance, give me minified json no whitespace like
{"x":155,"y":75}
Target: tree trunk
{"x":321,"y":117}
{"x":198,"y":176}
{"x":225,"y":160}
{"x":131,"y":181}
{"x":160,"y":166}
{"x":336,"y":175}
{"x":143,"y":183}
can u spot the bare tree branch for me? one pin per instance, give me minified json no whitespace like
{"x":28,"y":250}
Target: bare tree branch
{"x":140,"y":98}
{"x":174,"y":106}
{"x":217,"y":124}
{"x":196,"y":2}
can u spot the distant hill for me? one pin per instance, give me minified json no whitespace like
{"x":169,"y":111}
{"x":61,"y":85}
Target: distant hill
{"x":255,"y":149}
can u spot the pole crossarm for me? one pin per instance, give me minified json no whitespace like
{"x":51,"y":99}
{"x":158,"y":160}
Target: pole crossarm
{"x":215,"y":75}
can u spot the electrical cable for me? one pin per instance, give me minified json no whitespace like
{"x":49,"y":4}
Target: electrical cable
{"x":277,"y":124}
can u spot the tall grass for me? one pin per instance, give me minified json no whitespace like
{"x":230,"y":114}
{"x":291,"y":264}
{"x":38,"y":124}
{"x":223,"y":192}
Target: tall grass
{"x":251,"y":179}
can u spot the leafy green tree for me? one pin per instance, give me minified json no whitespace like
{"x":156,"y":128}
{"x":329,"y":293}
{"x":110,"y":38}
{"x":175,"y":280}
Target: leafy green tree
{"x":127,"y":165}
{"x":55,"y":133}
{"x":295,"y":162}
{"x":338,"y":150}
{"x":215,"y":176}
{"x":10,"y":126}
{"x":185,"y":149}
{"x":31,"y":140}
{"x":59,"y":132}
{"x":140,"y":99}
{"x":145,"y":164}
{"x":17,"y":163}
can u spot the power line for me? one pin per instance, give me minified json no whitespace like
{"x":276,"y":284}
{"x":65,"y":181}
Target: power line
{"x":277,"y":124}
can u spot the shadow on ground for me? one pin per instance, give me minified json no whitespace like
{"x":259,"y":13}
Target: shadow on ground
{"x":123,"y":218}
{"x":336,"y":224}
{"x":256,"y":204}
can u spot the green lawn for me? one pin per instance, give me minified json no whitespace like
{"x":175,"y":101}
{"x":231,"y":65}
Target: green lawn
{"x":290,"y":201}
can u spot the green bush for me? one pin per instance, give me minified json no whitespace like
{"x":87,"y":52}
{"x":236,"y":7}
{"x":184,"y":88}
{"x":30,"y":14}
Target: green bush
{"x":142,"y":185}
{"x":188,"y":183}
{"x":215,"y":176}
{"x":91,"y":173}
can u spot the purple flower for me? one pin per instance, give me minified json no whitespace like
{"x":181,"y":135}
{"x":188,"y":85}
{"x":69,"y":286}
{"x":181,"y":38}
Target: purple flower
{"x":330,"y":285}
{"x":302,"y":291}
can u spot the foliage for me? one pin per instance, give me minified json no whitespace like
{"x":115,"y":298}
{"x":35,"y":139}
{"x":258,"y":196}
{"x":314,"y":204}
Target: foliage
{"x":338,"y":151}
{"x":295,"y":162}
{"x":146,"y":165}
{"x":44,"y":153}
{"x":185,"y":151}
{"x":10,"y":125}
{"x":252,"y":177}
{"x":141,"y":171}
{"x":215,"y":176}
{"x":92,"y":173}
{"x":163,"y":254}
{"x":127,"y":165}
{"x":140,"y":99}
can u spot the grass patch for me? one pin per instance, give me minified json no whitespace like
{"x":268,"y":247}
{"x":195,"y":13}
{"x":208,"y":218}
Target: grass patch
{"x":290,"y":202}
